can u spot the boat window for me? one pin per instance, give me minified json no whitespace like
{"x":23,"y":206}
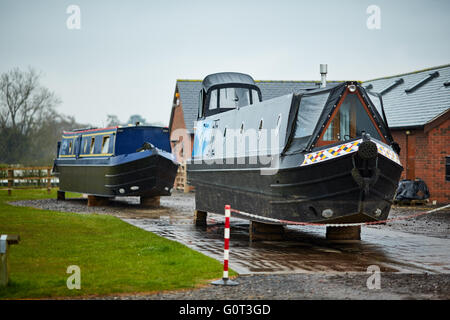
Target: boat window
{"x":65,"y":147}
{"x":230,"y":98}
{"x":255,"y":96}
{"x":91,"y":150}
{"x":85,"y":145}
{"x":350,"y":121}
{"x":200,"y":103}
{"x":105,"y":144}
{"x":213,"y":100}
{"x":310,"y":109}
{"x":375,"y":101}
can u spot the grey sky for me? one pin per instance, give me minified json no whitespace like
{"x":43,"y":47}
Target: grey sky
{"x":127,"y":55}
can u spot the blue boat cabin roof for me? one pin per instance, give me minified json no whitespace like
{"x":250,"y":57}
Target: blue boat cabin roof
{"x":112,"y":141}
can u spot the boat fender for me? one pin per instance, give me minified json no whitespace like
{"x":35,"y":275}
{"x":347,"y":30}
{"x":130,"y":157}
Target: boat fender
{"x":365,"y":182}
{"x":367,"y":150}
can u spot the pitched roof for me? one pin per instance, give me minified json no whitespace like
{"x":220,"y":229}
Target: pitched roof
{"x":415,"y":98}
{"x":189,"y":90}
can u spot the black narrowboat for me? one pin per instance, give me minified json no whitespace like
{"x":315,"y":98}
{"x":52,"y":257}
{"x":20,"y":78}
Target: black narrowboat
{"x":320,"y":155}
{"x":116,"y":161}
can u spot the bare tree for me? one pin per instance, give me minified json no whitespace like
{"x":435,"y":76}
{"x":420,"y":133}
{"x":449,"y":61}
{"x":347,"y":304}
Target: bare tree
{"x":112,"y":120}
{"x":28,"y":120}
{"x":24,"y":103}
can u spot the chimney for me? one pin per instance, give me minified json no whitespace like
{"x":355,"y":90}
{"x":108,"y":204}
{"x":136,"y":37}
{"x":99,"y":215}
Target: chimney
{"x":323,"y":74}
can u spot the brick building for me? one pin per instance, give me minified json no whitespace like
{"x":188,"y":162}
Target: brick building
{"x":417,"y":106}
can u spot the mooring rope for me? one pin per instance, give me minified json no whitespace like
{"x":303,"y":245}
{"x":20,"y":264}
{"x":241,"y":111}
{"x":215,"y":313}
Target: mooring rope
{"x":287,"y":222}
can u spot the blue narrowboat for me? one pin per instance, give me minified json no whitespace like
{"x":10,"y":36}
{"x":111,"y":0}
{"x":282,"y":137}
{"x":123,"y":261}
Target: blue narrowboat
{"x":116,"y":161}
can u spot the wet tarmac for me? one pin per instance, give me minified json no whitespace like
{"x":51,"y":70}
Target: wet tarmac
{"x":304,"y":249}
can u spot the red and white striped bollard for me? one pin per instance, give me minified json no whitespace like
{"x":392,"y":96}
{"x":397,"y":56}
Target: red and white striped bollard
{"x":226,"y":252}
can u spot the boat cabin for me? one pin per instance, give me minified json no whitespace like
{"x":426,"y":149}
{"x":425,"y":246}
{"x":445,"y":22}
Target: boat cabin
{"x":226,"y":91}
{"x":306,"y":120}
{"x":112,"y":141}
{"x":332,"y":116}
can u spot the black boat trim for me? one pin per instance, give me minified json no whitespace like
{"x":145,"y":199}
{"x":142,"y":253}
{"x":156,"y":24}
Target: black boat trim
{"x":235,"y":169}
{"x":129,"y":172}
{"x":380,"y":195}
{"x":286,"y":185}
{"x":395,"y":184}
{"x":129,"y":182}
{"x":227,"y":187}
{"x":328,"y":195}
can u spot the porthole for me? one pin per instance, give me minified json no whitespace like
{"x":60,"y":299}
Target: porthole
{"x":277,"y":130}
{"x":260,"y":127}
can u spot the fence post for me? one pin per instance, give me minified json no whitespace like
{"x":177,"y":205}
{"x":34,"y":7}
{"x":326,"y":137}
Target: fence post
{"x":39,"y":176}
{"x":5,"y":242}
{"x":49,"y":180}
{"x":226,"y":253}
{"x":10,"y":181}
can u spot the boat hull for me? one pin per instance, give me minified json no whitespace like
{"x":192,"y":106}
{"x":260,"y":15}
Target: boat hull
{"x":142,"y":174}
{"x":326,"y":192}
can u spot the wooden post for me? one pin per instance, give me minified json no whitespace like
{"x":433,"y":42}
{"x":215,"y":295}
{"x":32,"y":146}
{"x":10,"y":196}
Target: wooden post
{"x":61,"y":195}
{"x":185,"y":186}
{"x":49,"y":180}
{"x":5,"y":242}
{"x":152,"y":202}
{"x":200,"y":218}
{"x":95,"y":201}
{"x":4,"y":265}
{"x":10,"y":181}
{"x":264,"y":231}
{"x":344,"y":233}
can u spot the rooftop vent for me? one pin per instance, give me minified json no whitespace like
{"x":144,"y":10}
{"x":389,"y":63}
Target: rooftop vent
{"x":447,"y":84}
{"x":392,"y":86}
{"x":323,"y":74}
{"x":422,"y":82}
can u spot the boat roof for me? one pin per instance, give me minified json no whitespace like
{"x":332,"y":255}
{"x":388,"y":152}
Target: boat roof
{"x":78,"y":131}
{"x":89,"y":130}
{"x":227,"y":79}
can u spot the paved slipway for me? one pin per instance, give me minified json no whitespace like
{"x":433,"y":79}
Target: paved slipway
{"x":412,"y":255}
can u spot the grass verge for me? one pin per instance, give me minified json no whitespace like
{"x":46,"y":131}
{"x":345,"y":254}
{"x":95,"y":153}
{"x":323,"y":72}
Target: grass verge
{"x":113,"y":256}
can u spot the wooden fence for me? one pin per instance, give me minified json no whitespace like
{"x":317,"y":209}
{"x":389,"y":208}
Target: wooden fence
{"x":11,"y":177}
